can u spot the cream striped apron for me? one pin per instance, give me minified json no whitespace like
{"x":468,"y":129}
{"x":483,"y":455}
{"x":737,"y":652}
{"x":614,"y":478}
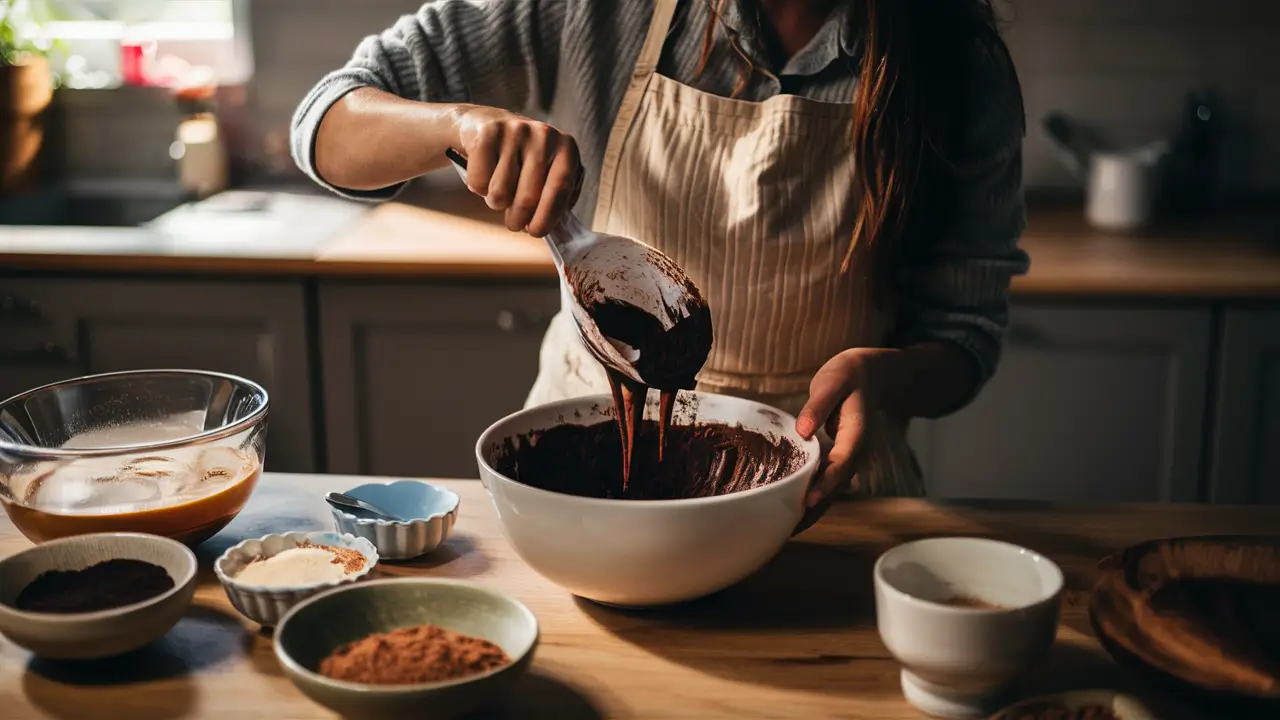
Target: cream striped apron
{"x":753,"y":200}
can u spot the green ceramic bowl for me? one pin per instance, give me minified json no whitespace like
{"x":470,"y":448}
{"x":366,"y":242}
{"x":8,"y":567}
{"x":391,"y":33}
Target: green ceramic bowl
{"x":312,"y":629}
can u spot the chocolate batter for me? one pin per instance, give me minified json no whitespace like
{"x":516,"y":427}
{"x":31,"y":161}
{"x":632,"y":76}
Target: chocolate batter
{"x":700,"y":461}
{"x":670,"y":358}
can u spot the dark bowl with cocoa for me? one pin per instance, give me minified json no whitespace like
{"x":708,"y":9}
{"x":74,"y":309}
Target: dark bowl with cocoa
{"x":704,"y":504}
{"x":95,"y":596}
{"x":425,"y":648}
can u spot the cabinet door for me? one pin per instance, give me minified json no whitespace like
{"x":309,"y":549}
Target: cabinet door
{"x":1089,"y":404}
{"x":414,"y":373}
{"x":1246,"y":443}
{"x":67,"y":327}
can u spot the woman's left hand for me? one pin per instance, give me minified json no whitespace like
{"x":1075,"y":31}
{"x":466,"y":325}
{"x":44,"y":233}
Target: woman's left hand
{"x":840,"y":399}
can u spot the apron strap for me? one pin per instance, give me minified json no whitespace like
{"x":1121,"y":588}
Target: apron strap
{"x":646,"y":66}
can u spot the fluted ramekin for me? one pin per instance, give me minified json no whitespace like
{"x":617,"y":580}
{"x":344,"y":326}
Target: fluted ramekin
{"x":266,"y":605}
{"x":426,"y":514}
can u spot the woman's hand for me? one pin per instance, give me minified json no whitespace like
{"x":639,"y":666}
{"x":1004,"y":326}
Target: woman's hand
{"x":840,"y":399}
{"x":522,"y":166}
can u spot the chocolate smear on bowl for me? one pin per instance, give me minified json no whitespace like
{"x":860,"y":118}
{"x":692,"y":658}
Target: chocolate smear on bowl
{"x":972,"y":603}
{"x":700,"y":460}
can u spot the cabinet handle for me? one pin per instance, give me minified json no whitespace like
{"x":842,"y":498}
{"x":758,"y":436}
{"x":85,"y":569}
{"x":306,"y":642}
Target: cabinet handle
{"x":17,"y":308}
{"x":44,"y":352}
{"x":533,"y":320}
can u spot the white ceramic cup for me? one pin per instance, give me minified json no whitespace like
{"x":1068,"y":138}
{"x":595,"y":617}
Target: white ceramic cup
{"x":958,"y":661}
{"x":1121,"y":191}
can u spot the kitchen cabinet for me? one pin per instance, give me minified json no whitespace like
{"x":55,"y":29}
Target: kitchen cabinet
{"x":1089,"y":404}
{"x":55,"y":328}
{"x":1245,"y":465}
{"x":412,"y":374}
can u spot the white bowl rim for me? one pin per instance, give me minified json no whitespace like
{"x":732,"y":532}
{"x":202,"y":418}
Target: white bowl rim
{"x":455,"y":504}
{"x":284,"y":657}
{"x":1056,"y":591}
{"x":191,"y":567}
{"x":43,"y":453}
{"x":810,"y":447}
{"x":366,"y":548}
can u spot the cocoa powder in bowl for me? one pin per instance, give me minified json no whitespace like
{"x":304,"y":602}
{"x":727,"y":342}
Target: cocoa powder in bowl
{"x":699,"y":460}
{"x":411,"y":656}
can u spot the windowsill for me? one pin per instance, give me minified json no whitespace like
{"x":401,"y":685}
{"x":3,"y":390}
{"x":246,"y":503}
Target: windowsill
{"x":105,"y":30}
{"x":94,"y":48}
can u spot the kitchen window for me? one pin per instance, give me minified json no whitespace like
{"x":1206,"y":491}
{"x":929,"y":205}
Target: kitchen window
{"x":167,"y":43}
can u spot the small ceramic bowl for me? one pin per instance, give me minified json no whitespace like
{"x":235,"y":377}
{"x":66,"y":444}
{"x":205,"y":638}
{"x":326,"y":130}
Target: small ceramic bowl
{"x":1123,"y":706}
{"x":266,"y":605}
{"x":105,"y":633}
{"x":318,"y":626}
{"x":965,"y":617}
{"x":426,"y":515}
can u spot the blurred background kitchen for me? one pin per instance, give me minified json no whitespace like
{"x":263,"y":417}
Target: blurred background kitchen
{"x":150,"y":217}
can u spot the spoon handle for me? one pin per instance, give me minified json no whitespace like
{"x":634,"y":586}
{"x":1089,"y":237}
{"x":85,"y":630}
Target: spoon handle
{"x":346,"y":502}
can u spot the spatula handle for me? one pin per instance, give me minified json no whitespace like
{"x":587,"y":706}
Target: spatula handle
{"x":459,"y":162}
{"x":569,"y":235}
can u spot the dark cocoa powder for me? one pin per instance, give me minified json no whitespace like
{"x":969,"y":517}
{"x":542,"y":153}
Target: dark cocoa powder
{"x":698,"y":461}
{"x":105,"y":586}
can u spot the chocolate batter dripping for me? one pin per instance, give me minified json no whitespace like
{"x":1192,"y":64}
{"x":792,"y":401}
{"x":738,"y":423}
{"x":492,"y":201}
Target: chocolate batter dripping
{"x":629,"y":399}
{"x":699,"y":460}
{"x":669,"y":360}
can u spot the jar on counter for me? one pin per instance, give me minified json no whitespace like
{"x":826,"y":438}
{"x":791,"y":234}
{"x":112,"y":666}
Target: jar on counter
{"x":198,"y":146}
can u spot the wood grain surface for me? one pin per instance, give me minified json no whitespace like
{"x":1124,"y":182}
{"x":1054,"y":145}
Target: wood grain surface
{"x":797,"y":640}
{"x":1231,"y":256}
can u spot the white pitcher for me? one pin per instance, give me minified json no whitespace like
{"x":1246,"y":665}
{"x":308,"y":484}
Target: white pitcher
{"x":1122,"y":187}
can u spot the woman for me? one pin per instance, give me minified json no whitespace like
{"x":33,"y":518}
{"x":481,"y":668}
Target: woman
{"x":840,"y":177}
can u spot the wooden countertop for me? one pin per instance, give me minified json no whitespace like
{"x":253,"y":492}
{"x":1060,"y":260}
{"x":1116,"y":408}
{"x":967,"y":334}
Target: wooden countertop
{"x":1234,"y":256}
{"x":796,"y":640}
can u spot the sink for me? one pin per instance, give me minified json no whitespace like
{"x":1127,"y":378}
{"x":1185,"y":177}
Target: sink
{"x":60,"y":208}
{"x":234,"y":223}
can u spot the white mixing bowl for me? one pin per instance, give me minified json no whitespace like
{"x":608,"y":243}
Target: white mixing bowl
{"x":647,"y":552}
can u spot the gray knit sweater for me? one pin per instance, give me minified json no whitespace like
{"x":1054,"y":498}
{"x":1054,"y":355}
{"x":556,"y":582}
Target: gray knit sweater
{"x":570,"y":60}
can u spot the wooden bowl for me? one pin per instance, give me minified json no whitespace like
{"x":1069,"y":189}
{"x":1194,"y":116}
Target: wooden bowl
{"x":1202,"y":613}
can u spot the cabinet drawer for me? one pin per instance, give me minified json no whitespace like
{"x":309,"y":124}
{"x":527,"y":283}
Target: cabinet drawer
{"x":414,"y":373}
{"x":63,"y":327}
{"x":1089,"y":404}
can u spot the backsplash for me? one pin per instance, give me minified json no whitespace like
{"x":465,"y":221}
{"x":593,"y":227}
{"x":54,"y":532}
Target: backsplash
{"x":1122,"y":66}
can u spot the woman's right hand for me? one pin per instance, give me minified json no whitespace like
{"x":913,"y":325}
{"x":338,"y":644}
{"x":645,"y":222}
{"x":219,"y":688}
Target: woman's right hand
{"x":524,"y":167}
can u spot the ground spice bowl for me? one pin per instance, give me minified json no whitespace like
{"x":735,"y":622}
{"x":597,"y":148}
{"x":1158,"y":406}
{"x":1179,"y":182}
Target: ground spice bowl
{"x":105,"y":633}
{"x":314,"y":628}
{"x":266,"y":605}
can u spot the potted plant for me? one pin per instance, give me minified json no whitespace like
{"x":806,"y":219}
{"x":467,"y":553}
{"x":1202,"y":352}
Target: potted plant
{"x":26,"y":89}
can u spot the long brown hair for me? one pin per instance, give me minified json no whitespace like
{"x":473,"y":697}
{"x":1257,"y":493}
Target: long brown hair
{"x":911,"y":87}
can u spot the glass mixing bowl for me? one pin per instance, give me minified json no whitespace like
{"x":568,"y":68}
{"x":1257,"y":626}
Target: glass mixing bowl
{"x":169,"y":452}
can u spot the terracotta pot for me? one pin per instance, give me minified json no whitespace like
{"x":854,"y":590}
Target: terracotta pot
{"x":25,"y":93}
